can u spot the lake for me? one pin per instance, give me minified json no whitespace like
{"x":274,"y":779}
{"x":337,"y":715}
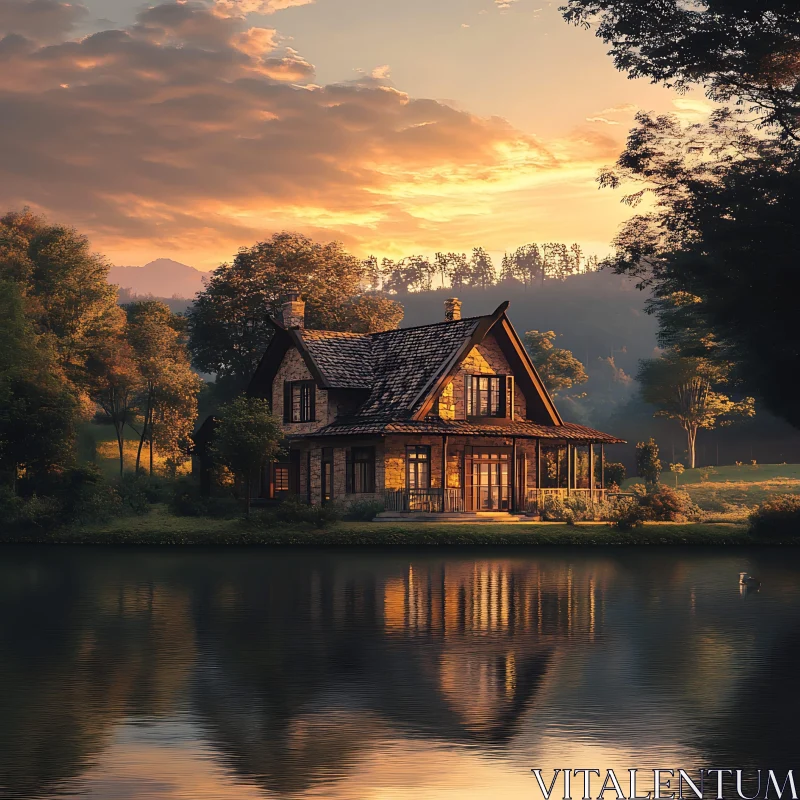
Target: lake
{"x":257,"y":673}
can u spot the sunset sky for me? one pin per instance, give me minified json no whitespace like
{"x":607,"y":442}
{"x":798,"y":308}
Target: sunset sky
{"x":187,"y":130}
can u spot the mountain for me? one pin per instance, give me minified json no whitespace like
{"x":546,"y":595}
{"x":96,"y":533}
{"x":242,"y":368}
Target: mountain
{"x":160,"y":278}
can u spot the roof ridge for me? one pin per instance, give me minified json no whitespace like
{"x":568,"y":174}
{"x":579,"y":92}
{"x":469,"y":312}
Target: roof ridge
{"x":429,"y":325}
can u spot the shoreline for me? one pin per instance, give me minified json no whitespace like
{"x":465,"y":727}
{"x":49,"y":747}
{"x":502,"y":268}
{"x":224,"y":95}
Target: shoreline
{"x":237,"y":533}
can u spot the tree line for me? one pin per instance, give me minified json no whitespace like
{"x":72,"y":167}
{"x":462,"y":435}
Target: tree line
{"x":529,"y":264}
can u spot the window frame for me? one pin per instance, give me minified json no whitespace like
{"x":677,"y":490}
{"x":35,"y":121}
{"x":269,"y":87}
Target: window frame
{"x":305,"y":393}
{"x":488,"y":401}
{"x":422,"y":455}
{"x":361,"y":469}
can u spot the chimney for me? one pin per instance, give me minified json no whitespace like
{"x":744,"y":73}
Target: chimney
{"x":293,"y":311}
{"x":452,"y":309}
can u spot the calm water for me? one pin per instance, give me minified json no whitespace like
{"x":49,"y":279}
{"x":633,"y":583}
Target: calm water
{"x":256,"y":674}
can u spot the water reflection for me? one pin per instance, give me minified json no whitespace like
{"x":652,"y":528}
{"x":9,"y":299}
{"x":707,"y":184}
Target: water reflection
{"x":157,"y":674}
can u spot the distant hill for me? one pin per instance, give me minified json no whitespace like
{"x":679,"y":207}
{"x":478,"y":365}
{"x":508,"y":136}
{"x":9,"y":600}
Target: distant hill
{"x":160,"y":278}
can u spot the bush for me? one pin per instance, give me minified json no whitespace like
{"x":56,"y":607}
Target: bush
{"x":85,"y":496}
{"x":778,"y":515}
{"x":553,"y":509}
{"x":648,"y":464}
{"x":364,"y":510}
{"x":626,"y":514}
{"x":186,"y":501}
{"x":294,"y":511}
{"x":9,"y":503}
{"x":666,"y":504}
{"x":133,"y":493}
{"x":39,"y":513}
{"x":614,"y":473}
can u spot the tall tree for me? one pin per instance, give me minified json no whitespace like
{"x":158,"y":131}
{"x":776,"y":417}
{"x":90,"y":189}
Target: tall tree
{"x":481,"y":268}
{"x":742,"y":52}
{"x":64,"y":286}
{"x":114,"y":384}
{"x":557,"y":367}
{"x":38,"y":411}
{"x":169,"y":388}
{"x":228,"y":321}
{"x":686,"y":390}
{"x":246,"y":437}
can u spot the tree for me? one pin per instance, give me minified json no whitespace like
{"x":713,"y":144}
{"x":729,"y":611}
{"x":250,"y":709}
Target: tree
{"x":683,"y":389}
{"x":526,"y":265}
{"x":167,"y":400}
{"x":648,"y":464}
{"x":246,"y":437}
{"x":38,"y":411}
{"x":369,"y":313}
{"x":481,"y":268}
{"x":746,"y":53}
{"x":114,"y":384}
{"x":558,"y":368}
{"x":228,"y":322}
{"x":64,"y":287}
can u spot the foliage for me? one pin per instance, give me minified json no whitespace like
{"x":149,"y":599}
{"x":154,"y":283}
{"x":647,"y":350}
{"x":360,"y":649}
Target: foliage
{"x":38,"y":410}
{"x":748,"y":53}
{"x":648,"y":464}
{"x":167,"y":394}
{"x":626,"y":513}
{"x":64,"y":285}
{"x":364,"y":510}
{"x":615,"y":473}
{"x":293,"y":510}
{"x":553,"y":509}
{"x":187,"y":501}
{"x":778,"y":515}
{"x":558,"y":368}
{"x":665,"y":504}
{"x":684,"y":389}
{"x":229,"y":320}
{"x":677,"y":469}
{"x":247,"y":436}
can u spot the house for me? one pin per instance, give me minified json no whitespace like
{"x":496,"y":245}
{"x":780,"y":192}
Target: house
{"x":448,"y":418}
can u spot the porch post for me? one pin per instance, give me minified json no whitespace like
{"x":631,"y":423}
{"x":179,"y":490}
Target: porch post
{"x":444,"y":473}
{"x":569,"y":467}
{"x":591,"y":472}
{"x":538,"y":475}
{"x":513,"y":475}
{"x":602,"y":466}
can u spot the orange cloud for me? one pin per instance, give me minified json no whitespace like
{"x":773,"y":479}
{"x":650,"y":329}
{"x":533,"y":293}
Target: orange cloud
{"x":190,"y":134}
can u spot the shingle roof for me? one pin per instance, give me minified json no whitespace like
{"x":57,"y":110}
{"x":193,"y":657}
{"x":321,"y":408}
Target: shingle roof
{"x":433,"y":425}
{"x":344,"y":359}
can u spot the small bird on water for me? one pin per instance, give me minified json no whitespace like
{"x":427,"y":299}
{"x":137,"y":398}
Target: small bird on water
{"x":749,"y":581}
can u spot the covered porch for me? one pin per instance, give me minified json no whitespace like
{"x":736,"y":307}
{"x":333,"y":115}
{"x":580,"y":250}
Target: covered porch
{"x":466,"y":475}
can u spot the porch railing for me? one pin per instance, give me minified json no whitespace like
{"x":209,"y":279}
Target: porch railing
{"x":535,"y":498}
{"x":424,"y":500}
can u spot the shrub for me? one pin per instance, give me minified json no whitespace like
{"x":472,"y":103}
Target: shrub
{"x":294,"y":511}
{"x":665,"y":504}
{"x":553,"y":509}
{"x":615,"y":473}
{"x":322,"y":515}
{"x":626,"y":514}
{"x":39,"y":513}
{"x":133,"y":493}
{"x":186,"y":501}
{"x":778,"y":515}
{"x":85,"y":496}
{"x":648,"y":464}
{"x":9,"y":503}
{"x":364,"y":510}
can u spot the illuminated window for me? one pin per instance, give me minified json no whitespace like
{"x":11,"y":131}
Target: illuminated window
{"x":281,"y":480}
{"x":418,"y":467}
{"x":484,"y":395}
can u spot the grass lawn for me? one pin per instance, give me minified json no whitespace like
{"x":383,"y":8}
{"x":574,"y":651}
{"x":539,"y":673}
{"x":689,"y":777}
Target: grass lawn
{"x":733,"y":489}
{"x":161,"y":527}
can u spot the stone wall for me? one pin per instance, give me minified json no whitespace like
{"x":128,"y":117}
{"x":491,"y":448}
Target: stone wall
{"x":485,"y":359}
{"x":294,"y":368}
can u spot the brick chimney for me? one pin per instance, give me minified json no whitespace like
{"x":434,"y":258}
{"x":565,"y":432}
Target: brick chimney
{"x":293,"y":311}
{"x":452,"y":309}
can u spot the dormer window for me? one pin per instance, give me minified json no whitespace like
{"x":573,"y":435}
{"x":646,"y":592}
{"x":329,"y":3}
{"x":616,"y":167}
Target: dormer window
{"x":299,"y":401}
{"x":486,"y":395}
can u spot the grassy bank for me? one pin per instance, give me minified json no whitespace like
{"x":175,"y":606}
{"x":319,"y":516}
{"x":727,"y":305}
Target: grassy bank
{"x":161,"y":528}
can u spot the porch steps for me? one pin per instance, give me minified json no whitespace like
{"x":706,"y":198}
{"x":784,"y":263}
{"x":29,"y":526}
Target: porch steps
{"x":454,"y":516}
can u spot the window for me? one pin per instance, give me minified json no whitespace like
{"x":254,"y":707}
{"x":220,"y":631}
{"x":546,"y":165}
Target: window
{"x":299,"y":401}
{"x":281,"y":478}
{"x":485,"y":395}
{"x":327,"y":474}
{"x":361,"y":470}
{"x":418,"y":467}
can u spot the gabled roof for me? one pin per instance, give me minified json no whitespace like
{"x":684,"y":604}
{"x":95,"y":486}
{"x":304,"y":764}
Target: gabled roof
{"x":403,"y":370}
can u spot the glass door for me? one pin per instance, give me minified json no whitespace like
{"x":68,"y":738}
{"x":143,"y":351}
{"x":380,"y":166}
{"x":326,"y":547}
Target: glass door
{"x":490,"y":481}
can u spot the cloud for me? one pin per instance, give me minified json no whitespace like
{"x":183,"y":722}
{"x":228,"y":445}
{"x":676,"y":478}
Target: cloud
{"x":241,"y":8}
{"x":192,"y":133}
{"x":40,"y":20}
{"x":504,"y":5}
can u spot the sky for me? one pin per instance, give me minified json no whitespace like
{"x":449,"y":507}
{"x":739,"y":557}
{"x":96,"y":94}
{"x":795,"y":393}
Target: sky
{"x":190,"y":129}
